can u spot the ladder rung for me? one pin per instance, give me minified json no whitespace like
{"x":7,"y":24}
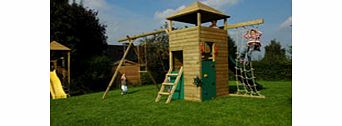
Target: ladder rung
{"x":242,"y":77}
{"x":242,"y":84}
{"x":238,"y":68}
{"x":164,"y":93}
{"x":249,"y":70}
{"x":249,"y":78}
{"x":171,"y":74}
{"x":168,"y":84}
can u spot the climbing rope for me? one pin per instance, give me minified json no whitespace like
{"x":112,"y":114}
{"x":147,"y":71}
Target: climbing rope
{"x":236,"y":61}
{"x":245,"y":77}
{"x":239,"y":79}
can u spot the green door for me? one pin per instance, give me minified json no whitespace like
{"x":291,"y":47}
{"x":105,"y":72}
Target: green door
{"x":208,"y":80}
{"x":179,"y":92}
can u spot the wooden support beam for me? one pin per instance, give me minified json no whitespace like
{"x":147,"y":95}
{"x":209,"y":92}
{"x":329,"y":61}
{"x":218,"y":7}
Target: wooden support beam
{"x":250,"y":96}
{"x":199,"y":20}
{"x":118,"y":67}
{"x":213,"y":54}
{"x":242,"y":24}
{"x":170,"y":25}
{"x":69,"y":69}
{"x":225,"y":23}
{"x":142,"y":35}
{"x":227,"y":26}
{"x":170,"y":60}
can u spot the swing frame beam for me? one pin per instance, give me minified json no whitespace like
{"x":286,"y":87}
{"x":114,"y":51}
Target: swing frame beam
{"x":244,"y":24}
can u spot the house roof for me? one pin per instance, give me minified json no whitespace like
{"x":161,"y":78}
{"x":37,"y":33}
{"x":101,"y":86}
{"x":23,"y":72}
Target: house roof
{"x":57,"y":46}
{"x":189,"y":14}
{"x":125,"y":61}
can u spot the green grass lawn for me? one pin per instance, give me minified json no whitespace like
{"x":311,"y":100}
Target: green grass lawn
{"x":139,"y":108}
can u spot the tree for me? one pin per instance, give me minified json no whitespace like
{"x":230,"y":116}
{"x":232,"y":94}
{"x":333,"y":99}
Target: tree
{"x":274,"y":53}
{"x":231,"y":47}
{"x":79,"y":29}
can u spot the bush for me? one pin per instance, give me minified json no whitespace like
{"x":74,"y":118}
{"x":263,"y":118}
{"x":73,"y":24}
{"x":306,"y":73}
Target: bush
{"x":269,"y":72}
{"x":273,"y":71}
{"x":95,"y":77}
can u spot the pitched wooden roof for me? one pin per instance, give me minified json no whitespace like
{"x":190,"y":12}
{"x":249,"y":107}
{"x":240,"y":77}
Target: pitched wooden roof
{"x":189,"y":14}
{"x":125,"y":61}
{"x":57,"y":46}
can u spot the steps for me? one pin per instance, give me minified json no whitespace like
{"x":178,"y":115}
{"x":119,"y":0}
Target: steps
{"x":170,"y":74}
{"x":169,"y":92}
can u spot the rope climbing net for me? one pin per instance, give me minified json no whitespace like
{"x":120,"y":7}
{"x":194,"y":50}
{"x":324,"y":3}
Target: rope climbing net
{"x":244,"y":71}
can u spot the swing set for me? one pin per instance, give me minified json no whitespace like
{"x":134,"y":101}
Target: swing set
{"x":143,"y":62}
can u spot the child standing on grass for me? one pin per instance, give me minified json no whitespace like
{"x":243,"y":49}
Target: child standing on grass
{"x":124,"y":88}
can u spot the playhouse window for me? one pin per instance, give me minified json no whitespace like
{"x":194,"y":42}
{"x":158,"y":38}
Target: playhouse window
{"x":207,"y":50}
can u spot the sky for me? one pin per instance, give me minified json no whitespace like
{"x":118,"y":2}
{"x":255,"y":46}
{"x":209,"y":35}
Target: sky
{"x":130,"y":17}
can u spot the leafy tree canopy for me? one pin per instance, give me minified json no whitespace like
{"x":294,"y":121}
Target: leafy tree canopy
{"x":274,"y":53}
{"x":79,"y":29}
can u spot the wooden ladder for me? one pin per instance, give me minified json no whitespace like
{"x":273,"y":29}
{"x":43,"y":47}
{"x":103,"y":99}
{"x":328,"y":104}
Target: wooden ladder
{"x":167,"y":83}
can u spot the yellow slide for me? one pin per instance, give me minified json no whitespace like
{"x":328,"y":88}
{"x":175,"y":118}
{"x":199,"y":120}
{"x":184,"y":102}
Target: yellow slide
{"x":56,"y":88}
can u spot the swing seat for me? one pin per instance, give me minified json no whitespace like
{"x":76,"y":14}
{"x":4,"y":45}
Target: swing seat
{"x":255,"y":44}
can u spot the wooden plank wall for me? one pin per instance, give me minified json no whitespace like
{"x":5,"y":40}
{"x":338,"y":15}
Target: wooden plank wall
{"x":188,"y":41}
{"x":132,"y":74}
{"x":219,"y":37}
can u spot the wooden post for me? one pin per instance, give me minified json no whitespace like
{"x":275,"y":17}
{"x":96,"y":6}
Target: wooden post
{"x":225,"y":23}
{"x":145,"y":56}
{"x":170,"y":25}
{"x":69,"y":68}
{"x":118,"y":67}
{"x":138,"y":54}
{"x":213,"y":52}
{"x":199,"y":89}
{"x":170,"y":60}
{"x":199,"y":21}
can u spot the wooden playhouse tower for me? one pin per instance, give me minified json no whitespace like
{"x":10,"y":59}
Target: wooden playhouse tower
{"x":201,"y":52}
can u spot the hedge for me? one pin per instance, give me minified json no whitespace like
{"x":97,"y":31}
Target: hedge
{"x":269,"y":72}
